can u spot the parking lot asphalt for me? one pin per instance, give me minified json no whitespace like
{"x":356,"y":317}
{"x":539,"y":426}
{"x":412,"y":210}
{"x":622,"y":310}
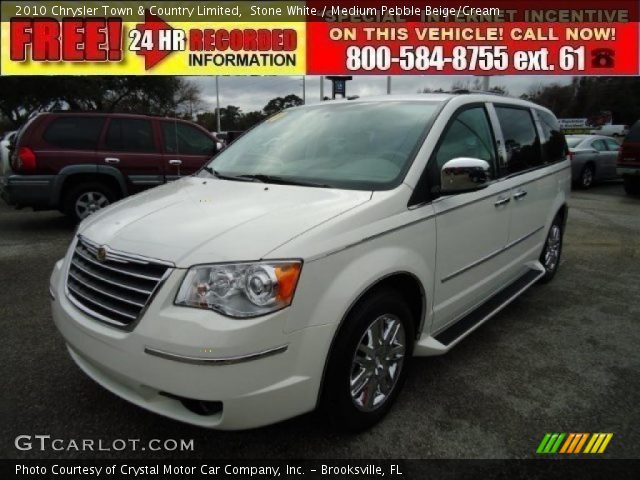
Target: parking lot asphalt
{"x":564,"y":357}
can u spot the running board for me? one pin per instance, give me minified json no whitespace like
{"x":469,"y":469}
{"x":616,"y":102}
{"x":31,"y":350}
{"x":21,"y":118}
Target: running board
{"x":447,"y":338}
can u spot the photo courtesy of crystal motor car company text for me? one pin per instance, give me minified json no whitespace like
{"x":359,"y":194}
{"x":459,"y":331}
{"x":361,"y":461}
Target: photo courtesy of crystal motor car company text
{"x":234,"y":214}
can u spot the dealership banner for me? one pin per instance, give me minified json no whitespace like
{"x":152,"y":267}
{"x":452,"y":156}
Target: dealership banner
{"x":318,"y":37}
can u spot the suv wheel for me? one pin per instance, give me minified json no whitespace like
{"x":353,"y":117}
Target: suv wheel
{"x":87,"y":198}
{"x":552,"y":251}
{"x":586,"y":177}
{"x":368,"y":361}
{"x":632,"y":185}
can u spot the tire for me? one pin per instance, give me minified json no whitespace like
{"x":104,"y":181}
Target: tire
{"x":354,"y":405}
{"x":632,"y":185}
{"x":587,"y":176}
{"x":552,"y":251}
{"x":86,"y":198}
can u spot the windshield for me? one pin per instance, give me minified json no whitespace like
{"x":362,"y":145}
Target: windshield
{"x":574,"y":141}
{"x":366,"y":146}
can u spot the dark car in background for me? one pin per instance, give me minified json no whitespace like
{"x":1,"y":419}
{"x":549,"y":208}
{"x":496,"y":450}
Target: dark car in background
{"x":629,"y":160}
{"x":79,"y":162}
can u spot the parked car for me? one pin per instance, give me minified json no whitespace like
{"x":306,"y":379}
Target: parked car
{"x":611,"y":130}
{"x":81,"y":162}
{"x":285,"y":277}
{"x":629,"y":160}
{"x":4,"y":151}
{"x":593,"y":159}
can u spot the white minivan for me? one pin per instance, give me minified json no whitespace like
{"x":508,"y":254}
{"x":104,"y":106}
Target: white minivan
{"x":310,"y":260}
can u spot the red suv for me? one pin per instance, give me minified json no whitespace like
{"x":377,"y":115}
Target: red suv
{"x":629,"y":160}
{"x":81,"y":162}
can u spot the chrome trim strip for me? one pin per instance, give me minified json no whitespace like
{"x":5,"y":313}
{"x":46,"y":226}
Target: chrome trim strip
{"x":74,"y":291}
{"x":214,"y":361}
{"x":490,"y":256}
{"x":117,"y":270}
{"x":75,"y":264}
{"x":128,"y":256}
{"x":85,"y":284}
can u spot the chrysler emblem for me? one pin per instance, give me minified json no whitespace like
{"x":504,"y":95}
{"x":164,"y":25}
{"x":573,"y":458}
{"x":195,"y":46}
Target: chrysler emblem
{"x":101,"y":254}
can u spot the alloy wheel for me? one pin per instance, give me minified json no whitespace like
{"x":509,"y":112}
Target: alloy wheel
{"x":377,"y":363}
{"x":552,"y":250}
{"x":90,"y":202}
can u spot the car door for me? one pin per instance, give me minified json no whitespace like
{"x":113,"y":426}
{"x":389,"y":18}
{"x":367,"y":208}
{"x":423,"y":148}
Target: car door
{"x":613,"y":150}
{"x":130,"y":145}
{"x":600,"y":158}
{"x":186,"y":148}
{"x":472,"y":228}
{"x":533,"y":145}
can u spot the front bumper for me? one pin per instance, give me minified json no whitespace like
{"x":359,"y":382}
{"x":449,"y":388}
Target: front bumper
{"x":27,"y":190}
{"x":259,"y":373}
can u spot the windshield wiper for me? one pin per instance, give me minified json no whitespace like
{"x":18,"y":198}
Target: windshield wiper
{"x":221,"y":176}
{"x":260,"y":177}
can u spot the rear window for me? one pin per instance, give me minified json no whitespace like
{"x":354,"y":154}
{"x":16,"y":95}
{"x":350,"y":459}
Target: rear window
{"x":520,"y":139}
{"x":75,"y":133}
{"x":130,"y":135}
{"x":553,"y":142}
{"x":634,"y":133}
{"x":573,"y":141}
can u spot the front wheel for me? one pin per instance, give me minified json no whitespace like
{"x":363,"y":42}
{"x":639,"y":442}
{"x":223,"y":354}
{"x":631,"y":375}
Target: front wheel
{"x":552,"y":251}
{"x":87,"y":198}
{"x":368,"y":361}
{"x":586,"y":177}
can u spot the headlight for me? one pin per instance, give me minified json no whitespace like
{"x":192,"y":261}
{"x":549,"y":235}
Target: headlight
{"x":240,"y":290}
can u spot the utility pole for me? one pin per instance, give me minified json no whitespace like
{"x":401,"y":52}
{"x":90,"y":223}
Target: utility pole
{"x":388,"y":84}
{"x":321,"y":88}
{"x":485,"y":83}
{"x":218,"y":103}
{"x":304,"y":89}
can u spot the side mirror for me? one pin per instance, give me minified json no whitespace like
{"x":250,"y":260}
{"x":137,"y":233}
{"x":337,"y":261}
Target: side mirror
{"x":464,"y":175}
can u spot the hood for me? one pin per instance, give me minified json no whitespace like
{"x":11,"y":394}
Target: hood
{"x":198,"y":220}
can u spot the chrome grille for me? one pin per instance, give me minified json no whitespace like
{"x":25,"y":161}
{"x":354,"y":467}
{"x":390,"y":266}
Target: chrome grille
{"x":111,"y":286}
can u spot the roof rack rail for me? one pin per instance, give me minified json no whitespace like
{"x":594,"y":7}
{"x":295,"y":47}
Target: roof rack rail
{"x":466,"y":91}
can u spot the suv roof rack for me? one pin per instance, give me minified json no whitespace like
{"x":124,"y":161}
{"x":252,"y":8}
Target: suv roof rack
{"x":466,"y":91}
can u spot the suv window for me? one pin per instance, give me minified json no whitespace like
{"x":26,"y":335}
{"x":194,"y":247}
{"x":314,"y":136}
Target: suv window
{"x":520,"y":138}
{"x":634,"y":133}
{"x":468,"y":135}
{"x":182,"y":138}
{"x":553,"y":141}
{"x":130,"y":135}
{"x":76,"y":133}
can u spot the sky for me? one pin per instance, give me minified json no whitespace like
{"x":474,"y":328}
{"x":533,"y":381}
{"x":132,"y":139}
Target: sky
{"x":253,"y":92}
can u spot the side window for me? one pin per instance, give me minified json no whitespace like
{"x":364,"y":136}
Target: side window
{"x":599,"y":145}
{"x":130,"y":135}
{"x":468,"y":135}
{"x":76,"y":133}
{"x":520,"y":139}
{"x":553,"y":141}
{"x":612,"y":145}
{"x":181,"y":138}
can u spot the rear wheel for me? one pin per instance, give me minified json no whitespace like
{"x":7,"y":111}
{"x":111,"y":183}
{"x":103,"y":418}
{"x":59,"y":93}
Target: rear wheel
{"x":368,"y":361}
{"x":587,"y":177}
{"x":632,"y":185}
{"x":552,"y":251}
{"x":86,"y":198}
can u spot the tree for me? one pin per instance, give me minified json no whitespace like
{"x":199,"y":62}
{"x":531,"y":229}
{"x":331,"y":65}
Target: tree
{"x":278,"y":104}
{"x":23,"y":96}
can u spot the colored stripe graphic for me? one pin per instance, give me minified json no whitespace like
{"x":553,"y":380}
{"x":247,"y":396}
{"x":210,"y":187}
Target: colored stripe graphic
{"x":597,"y":443}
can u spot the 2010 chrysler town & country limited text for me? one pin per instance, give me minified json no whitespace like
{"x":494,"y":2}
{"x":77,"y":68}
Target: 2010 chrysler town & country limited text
{"x":307,"y":263}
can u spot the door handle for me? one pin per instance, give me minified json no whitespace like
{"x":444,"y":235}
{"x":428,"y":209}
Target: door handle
{"x":176,"y":163}
{"x":502,"y":201}
{"x":520,"y":195}
{"x":112,"y":160}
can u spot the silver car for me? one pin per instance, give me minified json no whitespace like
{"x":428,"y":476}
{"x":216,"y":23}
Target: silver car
{"x":593,"y":159}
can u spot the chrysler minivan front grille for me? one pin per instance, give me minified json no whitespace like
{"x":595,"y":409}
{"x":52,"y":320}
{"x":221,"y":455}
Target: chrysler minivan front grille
{"x":111,"y":286}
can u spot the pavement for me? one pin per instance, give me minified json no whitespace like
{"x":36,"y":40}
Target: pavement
{"x":564,"y":357}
